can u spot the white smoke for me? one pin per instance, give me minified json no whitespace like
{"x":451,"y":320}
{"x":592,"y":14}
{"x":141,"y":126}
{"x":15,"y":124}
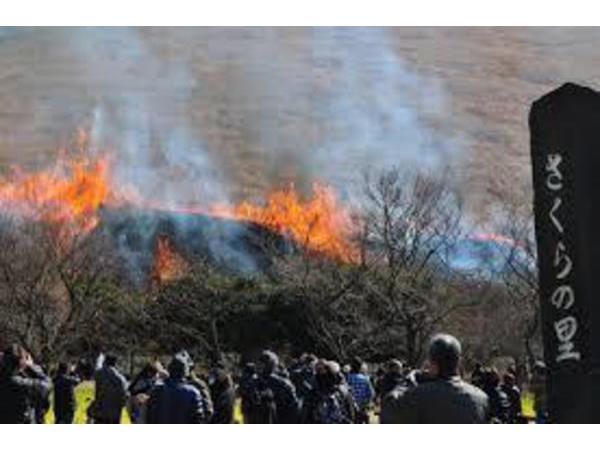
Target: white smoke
{"x":197,"y":115}
{"x":374,"y":108}
{"x":323,"y":104}
{"x":140,"y":113}
{"x":194,"y":116}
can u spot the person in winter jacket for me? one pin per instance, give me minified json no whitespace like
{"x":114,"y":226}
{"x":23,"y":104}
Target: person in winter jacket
{"x":23,"y":385}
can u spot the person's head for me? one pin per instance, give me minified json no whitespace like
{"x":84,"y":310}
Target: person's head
{"x":328,"y":374}
{"x":268,"y":362}
{"x":222,"y":379}
{"x":357,"y":365}
{"x":394,"y":367}
{"x":85,"y":368}
{"x":444,"y":355}
{"x":110,"y":360}
{"x":186,"y":358}
{"x":149,"y":371}
{"x":178,"y":368}
{"x":491,"y":378}
{"x":508,"y":379}
{"x":12,"y":359}
{"x":320,"y":367}
{"x":63,"y":368}
{"x":308,"y":359}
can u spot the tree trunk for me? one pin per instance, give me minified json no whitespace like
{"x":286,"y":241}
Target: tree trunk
{"x":411,"y":345}
{"x":215,"y":340}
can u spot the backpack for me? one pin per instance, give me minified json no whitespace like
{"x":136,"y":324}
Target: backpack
{"x":330,"y":409}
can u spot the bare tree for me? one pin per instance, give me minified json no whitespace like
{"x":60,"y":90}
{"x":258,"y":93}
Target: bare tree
{"x":326,"y":295}
{"x":412,"y":223}
{"x":520,"y":277}
{"x":53,"y":289}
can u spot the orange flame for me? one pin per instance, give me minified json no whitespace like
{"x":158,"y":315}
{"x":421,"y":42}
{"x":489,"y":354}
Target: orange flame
{"x":317,"y":223}
{"x":168,"y":264}
{"x":69,"y":194}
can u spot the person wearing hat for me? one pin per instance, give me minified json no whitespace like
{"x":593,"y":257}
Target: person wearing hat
{"x":446,"y":398}
{"x":175,"y":400}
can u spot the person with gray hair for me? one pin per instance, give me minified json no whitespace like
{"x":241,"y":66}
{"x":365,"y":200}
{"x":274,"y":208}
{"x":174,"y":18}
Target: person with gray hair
{"x":445,"y":398}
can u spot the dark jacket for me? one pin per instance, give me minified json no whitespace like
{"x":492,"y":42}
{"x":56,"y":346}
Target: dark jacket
{"x":445,"y":400}
{"x":248,"y":394}
{"x":64,"y":397}
{"x":111,"y":395}
{"x":515,"y":410}
{"x":224,"y":400}
{"x":274,"y":401}
{"x":499,"y":403}
{"x":303,"y":378}
{"x":389,"y":382}
{"x":140,"y":390}
{"x":20,"y":393}
{"x":391,"y":404}
{"x":339,"y":395}
{"x":175,"y":401}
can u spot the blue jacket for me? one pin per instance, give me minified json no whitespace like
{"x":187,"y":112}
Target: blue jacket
{"x":175,"y":401}
{"x":361,"y":388}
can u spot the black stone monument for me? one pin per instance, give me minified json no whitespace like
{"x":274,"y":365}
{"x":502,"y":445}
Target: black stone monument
{"x":565,"y":152}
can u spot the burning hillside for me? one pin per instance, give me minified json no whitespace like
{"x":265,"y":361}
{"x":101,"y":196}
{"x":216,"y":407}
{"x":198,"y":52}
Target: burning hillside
{"x":159,"y":240}
{"x":69,"y":194}
{"x":169,"y":265}
{"x":80,"y":195}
